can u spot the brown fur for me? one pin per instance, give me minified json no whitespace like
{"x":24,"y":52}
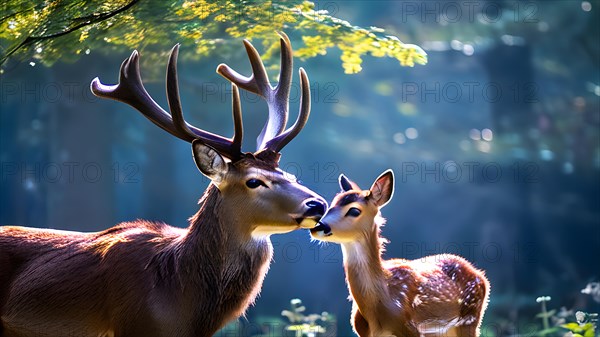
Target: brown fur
{"x":130,"y":280}
{"x":408,"y":296}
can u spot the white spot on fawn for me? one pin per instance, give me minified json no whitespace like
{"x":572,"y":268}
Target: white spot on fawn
{"x":417,"y":301}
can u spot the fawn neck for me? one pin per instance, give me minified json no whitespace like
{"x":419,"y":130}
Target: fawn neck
{"x":219,"y":268}
{"x":367,"y":279}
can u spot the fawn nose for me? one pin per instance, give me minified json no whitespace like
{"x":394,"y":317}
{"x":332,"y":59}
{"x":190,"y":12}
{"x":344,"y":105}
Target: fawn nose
{"x":316,"y":208}
{"x":321,"y":228}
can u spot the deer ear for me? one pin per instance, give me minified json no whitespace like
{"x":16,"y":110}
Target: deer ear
{"x":383,"y":188}
{"x":346,"y":184}
{"x":209,"y":161}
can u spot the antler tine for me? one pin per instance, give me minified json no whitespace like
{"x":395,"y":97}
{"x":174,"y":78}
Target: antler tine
{"x":277,"y":98}
{"x":173,"y":97}
{"x":285,"y":70}
{"x":235,"y":146}
{"x":277,"y":143}
{"x":130,"y":90}
{"x":238,"y":126}
{"x":254,"y":83}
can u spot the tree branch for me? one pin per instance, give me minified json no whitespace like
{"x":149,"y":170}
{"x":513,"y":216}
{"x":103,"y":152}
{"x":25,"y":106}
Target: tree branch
{"x":88,"y":20}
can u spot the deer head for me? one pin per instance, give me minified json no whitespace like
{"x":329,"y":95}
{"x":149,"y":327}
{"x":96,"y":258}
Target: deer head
{"x":353,"y":210}
{"x":255,"y":194}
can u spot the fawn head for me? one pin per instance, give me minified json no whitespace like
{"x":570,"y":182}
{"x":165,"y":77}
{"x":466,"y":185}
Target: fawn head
{"x":353,"y":210}
{"x":253,"y":192}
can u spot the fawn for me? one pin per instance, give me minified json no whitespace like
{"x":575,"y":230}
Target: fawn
{"x":439,"y":295}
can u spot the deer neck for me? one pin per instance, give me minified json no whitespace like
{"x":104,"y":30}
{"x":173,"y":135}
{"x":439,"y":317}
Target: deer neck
{"x":366,"y":277}
{"x":220,"y":234}
{"x":215,"y":220}
{"x":220,"y":270}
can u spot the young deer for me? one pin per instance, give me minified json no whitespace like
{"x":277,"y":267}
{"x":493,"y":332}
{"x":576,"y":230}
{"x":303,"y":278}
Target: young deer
{"x":440,"y":295}
{"x":150,"y":279}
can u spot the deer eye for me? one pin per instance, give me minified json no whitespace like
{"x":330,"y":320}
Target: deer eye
{"x":353,"y":212}
{"x":254,"y":183}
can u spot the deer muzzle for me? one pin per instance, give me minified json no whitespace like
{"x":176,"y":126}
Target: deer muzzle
{"x":315,"y":209}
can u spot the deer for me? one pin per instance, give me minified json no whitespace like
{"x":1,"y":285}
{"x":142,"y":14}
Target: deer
{"x":145,"y":278}
{"x":438,"y":295}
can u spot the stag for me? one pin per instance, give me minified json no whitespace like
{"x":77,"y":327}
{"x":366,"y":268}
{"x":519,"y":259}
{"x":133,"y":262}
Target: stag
{"x":150,"y":279}
{"x":438,"y":295}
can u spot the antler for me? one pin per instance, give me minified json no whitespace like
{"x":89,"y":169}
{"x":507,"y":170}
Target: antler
{"x":272,"y":136}
{"x":131,"y":91}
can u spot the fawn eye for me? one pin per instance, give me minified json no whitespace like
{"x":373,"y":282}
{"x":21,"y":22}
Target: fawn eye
{"x":353,"y":212}
{"x":254,"y":183}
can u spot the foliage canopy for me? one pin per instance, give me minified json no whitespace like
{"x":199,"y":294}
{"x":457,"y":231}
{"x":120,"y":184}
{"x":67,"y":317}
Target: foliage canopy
{"x":47,"y":31}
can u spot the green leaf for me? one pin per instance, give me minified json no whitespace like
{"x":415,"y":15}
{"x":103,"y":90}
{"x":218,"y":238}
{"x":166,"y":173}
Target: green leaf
{"x":68,"y":30}
{"x":571,"y":326}
{"x":585,"y":330}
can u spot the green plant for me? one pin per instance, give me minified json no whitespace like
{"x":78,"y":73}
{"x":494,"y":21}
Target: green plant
{"x":305,"y":325}
{"x":545,"y":316}
{"x":583,"y":326}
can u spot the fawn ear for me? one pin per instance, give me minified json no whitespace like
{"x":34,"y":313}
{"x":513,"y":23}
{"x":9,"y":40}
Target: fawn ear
{"x":209,"y":161}
{"x":383,"y":188}
{"x":347,"y":184}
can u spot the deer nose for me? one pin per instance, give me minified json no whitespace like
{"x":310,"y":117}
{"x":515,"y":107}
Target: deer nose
{"x":316,"y":208}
